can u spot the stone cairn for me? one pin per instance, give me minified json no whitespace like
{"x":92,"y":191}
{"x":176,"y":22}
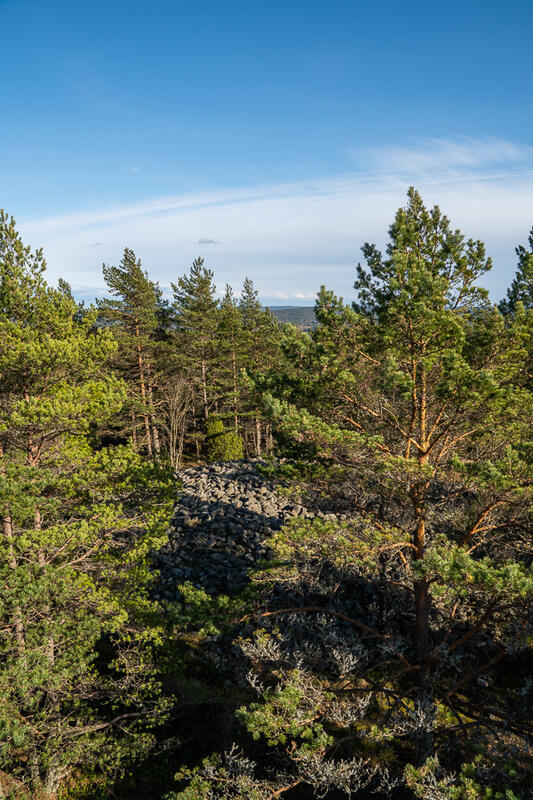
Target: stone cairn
{"x":220,"y":527}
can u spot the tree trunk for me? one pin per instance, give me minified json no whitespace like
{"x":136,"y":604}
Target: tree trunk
{"x":151,"y":410}
{"x":157,"y":443}
{"x":196,"y":441}
{"x":176,"y":409}
{"x":17,"y":613}
{"x":142,"y":384}
{"x":50,"y":645}
{"x":52,"y":781}
{"x":155,"y":432}
{"x":34,"y":771}
{"x":204,"y":388}
{"x":179,"y":451}
{"x":269,"y":438}
{"x":148,"y":435}
{"x":134,"y":431}
{"x":424,"y":748}
{"x":12,"y":563}
{"x":235,"y":393}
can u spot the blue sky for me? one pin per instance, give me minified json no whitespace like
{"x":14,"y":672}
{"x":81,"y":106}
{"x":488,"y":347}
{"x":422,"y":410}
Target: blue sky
{"x":273,"y":138}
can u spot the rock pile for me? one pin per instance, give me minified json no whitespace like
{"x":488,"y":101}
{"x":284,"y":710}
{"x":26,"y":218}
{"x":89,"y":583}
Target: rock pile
{"x":221,"y":526}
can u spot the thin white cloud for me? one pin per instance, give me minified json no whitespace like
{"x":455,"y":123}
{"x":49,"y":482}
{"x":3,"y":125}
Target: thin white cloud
{"x":293,"y":295}
{"x":291,"y":238}
{"x":304,"y":295}
{"x":438,"y":156}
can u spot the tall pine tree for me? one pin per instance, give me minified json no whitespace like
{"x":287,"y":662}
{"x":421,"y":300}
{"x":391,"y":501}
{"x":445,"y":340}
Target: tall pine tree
{"x":230,"y":355}
{"x":413,"y":401}
{"x":134,"y":317}
{"x":76,"y":681}
{"x":195,"y":323}
{"x":261,"y":348}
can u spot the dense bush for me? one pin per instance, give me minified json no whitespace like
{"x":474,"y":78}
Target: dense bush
{"x":222,"y":445}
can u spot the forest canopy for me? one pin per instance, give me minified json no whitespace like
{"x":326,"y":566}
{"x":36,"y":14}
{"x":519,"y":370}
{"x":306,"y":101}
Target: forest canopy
{"x":378,"y":641}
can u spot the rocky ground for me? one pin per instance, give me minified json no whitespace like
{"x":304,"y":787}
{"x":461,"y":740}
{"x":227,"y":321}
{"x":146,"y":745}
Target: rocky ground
{"x":221,"y":526}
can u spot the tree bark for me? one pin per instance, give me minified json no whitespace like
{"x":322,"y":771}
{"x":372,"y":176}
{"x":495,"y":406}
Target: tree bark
{"x":424,"y":746}
{"x":50,"y":645}
{"x":204,"y":388}
{"x":142,"y":384}
{"x":134,"y":431}
{"x":155,"y":432}
{"x":17,"y":613}
{"x":235,"y":395}
{"x":269,"y":438}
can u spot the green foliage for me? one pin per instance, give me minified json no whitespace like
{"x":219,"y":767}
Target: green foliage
{"x":450,"y":567}
{"x":205,"y":614}
{"x":219,"y":778}
{"x":420,"y":391}
{"x":470,"y":784}
{"x":195,"y":317}
{"x":134,"y":315}
{"x":222,"y":445}
{"x":343,"y":544}
{"x":77,"y":626}
{"x":285,"y":715}
{"x":231,"y":346}
{"x":367,"y":640}
{"x":521,"y":289}
{"x":214,"y":426}
{"x":261,"y":339}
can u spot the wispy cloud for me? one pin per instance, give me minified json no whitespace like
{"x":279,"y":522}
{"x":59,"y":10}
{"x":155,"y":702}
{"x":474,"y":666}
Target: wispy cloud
{"x":290,"y":238}
{"x":435,"y":157}
{"x":293,"y":295}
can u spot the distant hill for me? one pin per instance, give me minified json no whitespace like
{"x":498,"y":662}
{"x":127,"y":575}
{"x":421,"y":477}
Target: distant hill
{"x":302,"y":317}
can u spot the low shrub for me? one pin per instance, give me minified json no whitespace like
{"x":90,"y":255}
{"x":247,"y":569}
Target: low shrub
{"x":222,"y":445}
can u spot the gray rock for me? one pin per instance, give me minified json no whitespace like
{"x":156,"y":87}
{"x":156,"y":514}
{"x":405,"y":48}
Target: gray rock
{"x":221,"y":525}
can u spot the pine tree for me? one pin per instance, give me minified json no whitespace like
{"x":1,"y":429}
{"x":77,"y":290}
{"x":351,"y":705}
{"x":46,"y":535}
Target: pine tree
{"x":521,"y":289}
{"x":414,"y":395}
{"x":230,"y":354}
{"x":76,"y":681}
{"x":134,"y":317}
{"x":195,"y":322}
{"x":261,"y":348}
